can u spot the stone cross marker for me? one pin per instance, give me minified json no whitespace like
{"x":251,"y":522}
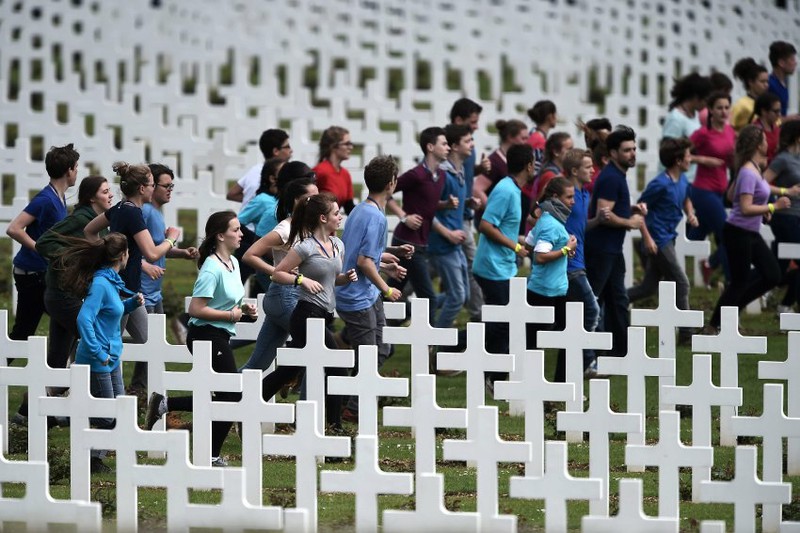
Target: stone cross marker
{"x":630,"y":516}
{"x":667,"y":317}
{"x":555,"y":487}
{"x":729,"y":343}
{"x":599,"y":421}
{"x":430,"y":514}
{"x":702,"y":395}
{"x":367,"y":481}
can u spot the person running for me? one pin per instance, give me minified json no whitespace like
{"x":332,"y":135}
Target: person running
{"x":314,"y":264}
{"x":137,"y":184}
{"x":260,"y":211}
{"x":216,"y":306}
{"x":767,"y":116}
{"x":714,"y":141}
{"x":783,"y":58}
{"x":666,"y":197}
{"x":551,"y":246}
{"x":741,"y":236}
{"x":335,"y":148}
{"x":545,"y":117}
{"x":90,"y":270}
{"x":756,"y":82}
{"x":689,"y":95}
{"x":512,"y":132}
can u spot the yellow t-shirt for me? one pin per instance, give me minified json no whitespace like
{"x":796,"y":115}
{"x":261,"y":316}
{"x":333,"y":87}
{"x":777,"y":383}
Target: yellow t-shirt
{"x":742,"y":112}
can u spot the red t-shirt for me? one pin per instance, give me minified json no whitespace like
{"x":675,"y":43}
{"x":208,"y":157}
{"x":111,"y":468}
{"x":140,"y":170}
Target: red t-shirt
{"x":340,"y":183}
{"x":713,"y":143}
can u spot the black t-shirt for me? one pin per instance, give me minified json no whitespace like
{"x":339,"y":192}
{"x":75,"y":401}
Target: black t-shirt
{"x":127,"y":218}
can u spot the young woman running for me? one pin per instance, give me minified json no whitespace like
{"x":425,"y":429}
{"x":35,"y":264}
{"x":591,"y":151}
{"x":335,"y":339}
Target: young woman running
{"x":335,"y":147}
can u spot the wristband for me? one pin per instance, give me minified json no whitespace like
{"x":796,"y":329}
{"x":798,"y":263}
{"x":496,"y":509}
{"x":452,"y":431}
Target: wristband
{"x":517,"y":248}
{"x":232,"y":320}
{"x":403,"y":219}
{"x":783,"y":191}
{"x":771,"y":208}
{"x":389,"y":292}
{"x":298,"y":279}
{"x":172,"y":242}
{"x":565,"y":251}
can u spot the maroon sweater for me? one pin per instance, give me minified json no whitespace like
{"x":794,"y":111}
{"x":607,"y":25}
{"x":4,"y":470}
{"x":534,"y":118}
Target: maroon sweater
{"x":422,"y":191}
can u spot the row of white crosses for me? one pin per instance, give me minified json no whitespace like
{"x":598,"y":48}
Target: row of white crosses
{"x":546,"y":474}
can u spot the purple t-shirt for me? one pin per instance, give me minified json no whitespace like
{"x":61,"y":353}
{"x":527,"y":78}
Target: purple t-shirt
{"x":748,"y":182}
{"x":421,"y":192}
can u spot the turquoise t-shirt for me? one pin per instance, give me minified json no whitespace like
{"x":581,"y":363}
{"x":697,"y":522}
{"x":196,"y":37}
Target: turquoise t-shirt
{"x":223,"y":289}
{"x":549,"y":279}
{"x":260,"y":211}
{"x":503,"y":210}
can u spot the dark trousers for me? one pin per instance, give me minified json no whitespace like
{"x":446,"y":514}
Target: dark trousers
{"x":746,"y":284}
{"x":559,"y":305}
{"x":495,"y":292}
{"x":285,"y":374}
{"x":30,"y":305}
{"x":606,"y":273}
{"x":419,"y":274}
{"x":786,"y":228}
{"x":222,"y":361}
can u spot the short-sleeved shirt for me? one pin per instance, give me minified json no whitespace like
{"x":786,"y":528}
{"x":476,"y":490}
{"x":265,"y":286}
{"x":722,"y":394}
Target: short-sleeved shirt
{"x":126,"y":218}
{"x":611,"y":185}
{"x":499,"y":168}
{"x":314,"y":265}
{"x":339,"y":183}
{"x":537,"y":139}
{"x":494,"y":261}
{"x":781,"y":91}
{"x":452,"y":219}
{"x":421,"y":190}
{"x":748,"y":182}
{"x":664,"y":198}
{"x":576,"y":225}
{"x":222,"y":287}
{"x":742,"y":112}
{"x":282,"y":229}
{"x":154,"y":220}
{"x":786,"y":167}
{"x":548,"y":279}
{"x":46,"y":208}
{"x":250,"y":183}
{"x":260,"y":212}
{"x":364,"y":235}
{"x":720,"y":144}
{"x":676,"y":125}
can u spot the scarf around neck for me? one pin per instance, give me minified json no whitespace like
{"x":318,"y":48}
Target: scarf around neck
{"x":556,"y":208}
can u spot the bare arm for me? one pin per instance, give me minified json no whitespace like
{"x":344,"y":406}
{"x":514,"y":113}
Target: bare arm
{"x":16,"y":230}
{"x":494,"y":234}
{"x":150,"y":251}
{"x":93,"y":228}
{"x":198,"y":308}
{"x":253,"y":257}
{"x":616,"y":221}
{"x":235,"y":193}
{"x":480,"y":185}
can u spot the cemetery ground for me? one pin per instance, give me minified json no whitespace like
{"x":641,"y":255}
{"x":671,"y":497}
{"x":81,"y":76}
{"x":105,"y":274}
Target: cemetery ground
{"x":397,"y":446}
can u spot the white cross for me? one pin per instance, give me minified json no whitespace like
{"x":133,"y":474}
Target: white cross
{"x":202,"y":380}
{"x":37,"y":376}
{"x":702,"y":394}
{"x":420,"y":335}
{"x":788,"y":370}
{"x":486,"y":451}
{"x":555,"y":487}
{"x":668,"y":456}
{"x":533,"y":390}
{"x":305,"y":444}
{"x":745,"y":490}
{"x":518,"y":314}
{"x":599,"y":421}
{"x":630,"y":516}
{"x":424,"y":416}
{"x":773,"y":426}
{"x":37,"y":508}
{"x":79,"y":406}
{"x":429,"y":512}
{"x":636,"y":366}
{"x":8,"y":348}
{"x":575,"y":339}
{"x":729,"y":343}
{"x":667,"y":317}
{"x":367,"y":481}
{"x":315,"y":357}
{"x":368,"y":385}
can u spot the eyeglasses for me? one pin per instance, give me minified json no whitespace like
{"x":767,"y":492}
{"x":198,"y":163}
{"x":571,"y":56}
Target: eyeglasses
{"x":167,"y":187}
{"x":348,"y":144}
{"x":286,"y":146}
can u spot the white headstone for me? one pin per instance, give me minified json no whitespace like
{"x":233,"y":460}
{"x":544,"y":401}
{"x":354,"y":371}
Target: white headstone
{"x":429,"y":513}
{"x":630,"y":516}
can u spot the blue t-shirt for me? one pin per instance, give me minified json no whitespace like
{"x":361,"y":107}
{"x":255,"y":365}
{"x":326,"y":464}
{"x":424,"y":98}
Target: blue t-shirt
{"x":664,"y":198}
{"x":781,"y":91}
{"x":576,"y":225}
{"x":154,"y":220}
{"x":126,"y":218}
{"x":548,"y":279}
{"x":364,"y":235}
{"x":492,"y":260}
{"x":611,"y":185}
{"x":260,"y":211}
{"x":223,"y":289}
{"x":452,"y":219}
{"x":47,"y":209}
